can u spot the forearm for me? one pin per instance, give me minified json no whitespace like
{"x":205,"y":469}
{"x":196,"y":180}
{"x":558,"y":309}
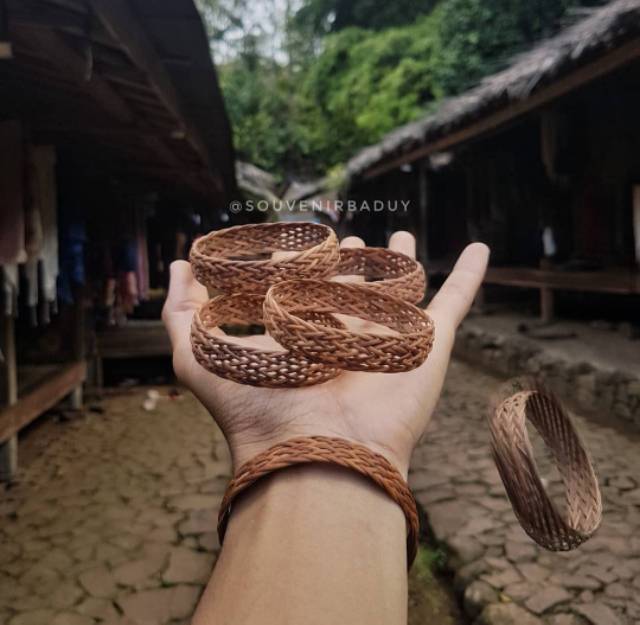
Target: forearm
{"x":313,"y":545}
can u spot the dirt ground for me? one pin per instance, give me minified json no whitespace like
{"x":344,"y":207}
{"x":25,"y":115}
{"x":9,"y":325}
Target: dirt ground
{"x":113,"y":519}
{"x":495,"y":562}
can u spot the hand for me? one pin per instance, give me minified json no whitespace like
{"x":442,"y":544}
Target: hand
{"x":386,"y":412}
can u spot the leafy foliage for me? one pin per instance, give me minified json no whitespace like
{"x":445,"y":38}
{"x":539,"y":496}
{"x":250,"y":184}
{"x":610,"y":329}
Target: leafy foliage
{"x":477,"y":37}
{"x":364,"y":85}
{"x":345,"y":72}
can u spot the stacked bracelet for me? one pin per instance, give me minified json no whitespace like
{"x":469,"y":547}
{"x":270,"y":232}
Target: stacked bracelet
{"x":230,"y":359}
{"x":240,"y":259}
{"x":385,"y":271}
{"x":402,"y":349}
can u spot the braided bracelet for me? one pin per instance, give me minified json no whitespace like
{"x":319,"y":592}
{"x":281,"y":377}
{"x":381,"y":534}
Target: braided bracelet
{"x":249,"y":365}
{"x":513,"y":454}
{"x":385,"y":271}
{"x":405,"y":349}
{"x":241,"y":258}
{"x":326,"y":450}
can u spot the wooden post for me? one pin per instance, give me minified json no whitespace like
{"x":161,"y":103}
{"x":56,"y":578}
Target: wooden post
{"x":423,"y":206}
{"x":6,"y":51}
{"x":79,"y":343}
{"x":9,"y":449}
{"x":480,"y":301}
{"x":547,"y":304}
{"x":636,"y":222}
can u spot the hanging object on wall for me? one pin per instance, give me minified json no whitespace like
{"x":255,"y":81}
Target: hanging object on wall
{"x":6,"y":51}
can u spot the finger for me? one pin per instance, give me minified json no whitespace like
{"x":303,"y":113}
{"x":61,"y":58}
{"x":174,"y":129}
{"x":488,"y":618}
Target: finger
{"x":403,"y":242}
{"x":351,"y":242}
{"x":454,"y":299}
{"x":185,"y":296}
{"x":185,"y":292}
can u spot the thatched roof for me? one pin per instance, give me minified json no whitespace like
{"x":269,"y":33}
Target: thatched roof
{"x":605,"y":29}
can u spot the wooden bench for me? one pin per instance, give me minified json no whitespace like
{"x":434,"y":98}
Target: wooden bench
{"x":550,"y":280}
{"x":27,"y":392}
{"x":44,"y":395}
{"x":136,"y":339}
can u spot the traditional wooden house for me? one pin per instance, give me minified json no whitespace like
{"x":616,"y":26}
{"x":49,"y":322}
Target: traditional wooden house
{"x":115,"y":149}
{"x":541,"y":161}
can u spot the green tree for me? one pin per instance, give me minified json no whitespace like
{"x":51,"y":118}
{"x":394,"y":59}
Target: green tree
{"x":363,"y":85}
{"x":309,"y":82}
{"x":476,"y":38}
{"x":324,"y":16}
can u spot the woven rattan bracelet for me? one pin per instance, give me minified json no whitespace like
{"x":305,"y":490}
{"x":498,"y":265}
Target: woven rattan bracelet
{"x":404,"y":349}
{"x":516,"y":464}
{"x":326,"y":450}
{"x":240,"y":259}
{"x":385,"y":271}
{"x":249,"y":365}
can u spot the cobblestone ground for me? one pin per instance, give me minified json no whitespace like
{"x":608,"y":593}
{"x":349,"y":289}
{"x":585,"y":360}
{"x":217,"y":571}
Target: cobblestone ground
{"x":112,"y":521}
{"x":507,"y":579}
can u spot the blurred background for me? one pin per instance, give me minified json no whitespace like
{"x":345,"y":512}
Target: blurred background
{"x":130,"y":127}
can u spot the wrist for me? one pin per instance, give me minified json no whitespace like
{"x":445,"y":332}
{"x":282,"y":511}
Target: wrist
{"x":327,"y":497}
{"x":305,"y":530}
{"x":245,"y":447}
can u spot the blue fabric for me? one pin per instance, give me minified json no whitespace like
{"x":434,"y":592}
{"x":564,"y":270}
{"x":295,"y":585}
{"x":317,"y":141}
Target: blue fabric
{"x":73,"y":238}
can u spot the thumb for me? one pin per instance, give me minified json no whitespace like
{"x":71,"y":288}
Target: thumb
{"x":186,"y":295}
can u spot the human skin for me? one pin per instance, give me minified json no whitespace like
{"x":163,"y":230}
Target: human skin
{"x":318,"y":544}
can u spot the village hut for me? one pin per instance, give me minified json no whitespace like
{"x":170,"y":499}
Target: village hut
{"x":541,"y":161}
{"x":116,"y":151}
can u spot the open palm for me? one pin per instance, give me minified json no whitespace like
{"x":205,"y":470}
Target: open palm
{"x":386,"y":412}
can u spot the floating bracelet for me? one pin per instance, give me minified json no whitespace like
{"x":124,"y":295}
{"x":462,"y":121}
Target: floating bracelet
{"x":240,"y":259}
{"x":326,"y":450}
{"x":249,"y":365}
{"x":516,"y":464}
{"x":385,"y":271}
{"x":404,"y":349}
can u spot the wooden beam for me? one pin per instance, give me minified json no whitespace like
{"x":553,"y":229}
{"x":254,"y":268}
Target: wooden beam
{"x":9,"y":444}
{"x":50,"y":46}
{"x":423,"y":214}
{"x":580,"y":77}
{"x":124,"y":26}
{"x":149,"y":98}
{"x":42,"y":398}
{"x":53,"y":127}
{"x":45,"y":16}
{"x":78,"y":6}
{"x":621,"y":282}
{"x":130,"y":79}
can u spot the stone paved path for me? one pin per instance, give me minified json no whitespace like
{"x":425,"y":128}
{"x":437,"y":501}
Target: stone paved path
{"x":504,"y":576}
{"x":113,"y":521}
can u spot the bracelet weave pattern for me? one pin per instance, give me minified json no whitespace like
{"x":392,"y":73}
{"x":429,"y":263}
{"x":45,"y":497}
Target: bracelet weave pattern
{"x":326,"y":450}
{"x":405,"y":349}
{"x":249,"y":365}
{"x":385,"y":271}
{"x":240,"y":258}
